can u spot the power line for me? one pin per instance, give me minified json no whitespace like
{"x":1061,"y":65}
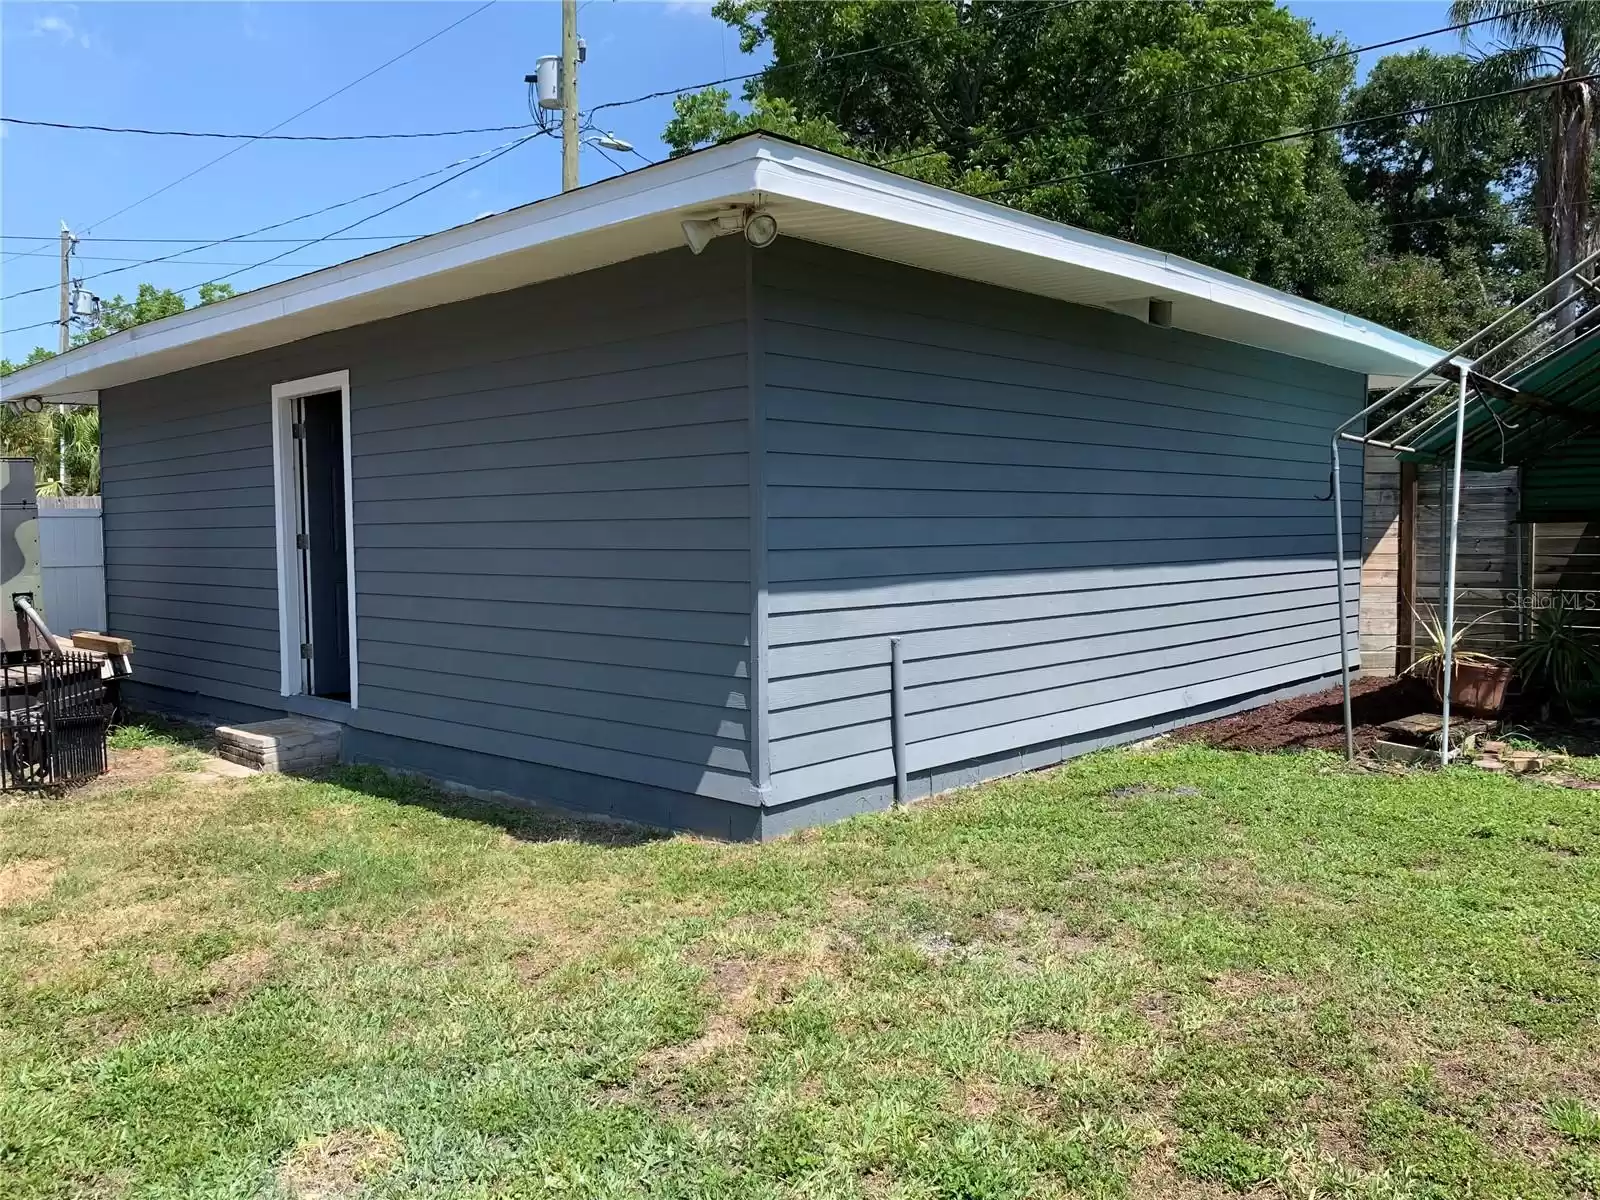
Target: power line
{"x":492,"y":155}
{"x":363,"y":237}
{"x":266,"y":137}
{"x":499,"y":153}
{"x":23,"y":328}
{"x":1284,"y":137}
{"x":1508,"y":208}
{"x":234,"y":150}
{"x":811,"y":65}
{"x":193,"y":262}
{"x":330,"y":96}
{"x":177,"y":254}
{"x":620,"y":168}
{"x":1200,"y":89}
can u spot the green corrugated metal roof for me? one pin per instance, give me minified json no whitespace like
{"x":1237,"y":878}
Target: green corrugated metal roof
{"x":1500,"y":433}
{"x":1564,"y":484}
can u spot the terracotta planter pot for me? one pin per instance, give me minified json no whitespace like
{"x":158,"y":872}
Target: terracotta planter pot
{"x":1477,"y":687}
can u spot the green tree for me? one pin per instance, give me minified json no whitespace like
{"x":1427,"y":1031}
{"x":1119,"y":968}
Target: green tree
{"x":1063,"y":110}
{"x":45,"y":436}
{"x":75,"y":432}
{"x":210,"y":293}
{"x":1557,"y":44}
{"x":1448,"y":192}
{"x":1440,"y":184}
{"x":37,"y":355}
{"x":150,"y":303}
{"x":1041,"y":105}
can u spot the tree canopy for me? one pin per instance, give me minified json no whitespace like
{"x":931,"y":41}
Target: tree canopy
{"x":1109,"y":115}
{"x":75,"y":432}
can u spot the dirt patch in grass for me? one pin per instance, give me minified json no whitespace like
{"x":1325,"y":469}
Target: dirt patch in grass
{"x":1073,"y":945}
{"x":130,"y":768}
{"x":740,"y":988}
{"x":1056,"y":1045}
{"x":1316,"y":722}
{"x":314,"y":883}
{"x":592,"y":913}
{"x":1261,"y":988}
{"x":234,"y":976}
{"x":1157,"y":1009}
{"x":75,"y":934}
{"x":979,"y":1101}
{"x":1501,"y":1088}
{"x":1157,"y":1176}
{"x":26,"y":879}
{"x":529,"y":968}
{"x":723,"y":1030}
{"x":339,"y":1165}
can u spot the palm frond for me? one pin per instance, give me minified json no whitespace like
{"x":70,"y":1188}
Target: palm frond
{"x":1573,"y":23}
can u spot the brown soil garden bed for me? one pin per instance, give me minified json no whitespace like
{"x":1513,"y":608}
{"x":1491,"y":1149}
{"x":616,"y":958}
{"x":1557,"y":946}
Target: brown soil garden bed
{"x":1316,"y":721}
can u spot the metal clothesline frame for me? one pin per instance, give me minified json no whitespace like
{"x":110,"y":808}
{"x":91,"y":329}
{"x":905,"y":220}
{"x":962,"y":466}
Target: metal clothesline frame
{"x":1459,"y":368}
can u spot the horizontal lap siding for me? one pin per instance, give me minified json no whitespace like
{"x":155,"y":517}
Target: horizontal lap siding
{"x":551,"y":501}
{"x":1073,"y":521}
{"x":191,"y":567}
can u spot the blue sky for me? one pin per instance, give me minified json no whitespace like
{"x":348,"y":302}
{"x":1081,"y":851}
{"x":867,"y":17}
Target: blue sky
{"x":247,"y":66}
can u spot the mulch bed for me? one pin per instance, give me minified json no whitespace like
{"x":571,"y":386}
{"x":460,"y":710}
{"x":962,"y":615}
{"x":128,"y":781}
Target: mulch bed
{"x":1316,"y":722}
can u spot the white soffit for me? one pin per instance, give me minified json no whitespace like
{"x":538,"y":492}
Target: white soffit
{"x":816,"y":196}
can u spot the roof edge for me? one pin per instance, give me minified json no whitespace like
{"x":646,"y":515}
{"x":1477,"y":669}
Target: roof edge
{"x":733,"y":171}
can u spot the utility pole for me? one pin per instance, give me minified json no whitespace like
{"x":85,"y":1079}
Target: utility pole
{"x":66,"y":287}
{"x":569,"y":95}
{"x":65,"y":343}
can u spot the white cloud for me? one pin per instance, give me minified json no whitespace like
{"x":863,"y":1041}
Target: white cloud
{"x":688,"y":8}
{"x":61,"y":29}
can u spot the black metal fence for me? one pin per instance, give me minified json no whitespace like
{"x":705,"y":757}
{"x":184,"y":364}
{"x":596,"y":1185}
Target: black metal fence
{"x":53,"y":718}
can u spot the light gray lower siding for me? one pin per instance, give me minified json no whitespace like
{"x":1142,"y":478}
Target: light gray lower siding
{"x":551,"y":499}
{"x":1079,"y":525}
{"x":578,"y":506}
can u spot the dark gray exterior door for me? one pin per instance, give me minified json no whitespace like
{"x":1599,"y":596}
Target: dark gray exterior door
{"x":319,"y":421}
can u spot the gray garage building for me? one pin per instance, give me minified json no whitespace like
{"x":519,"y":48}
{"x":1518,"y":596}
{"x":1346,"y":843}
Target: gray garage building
{"x":551,"y":504}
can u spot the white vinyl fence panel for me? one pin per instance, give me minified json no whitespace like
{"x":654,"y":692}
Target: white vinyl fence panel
{"x":72,"y":561}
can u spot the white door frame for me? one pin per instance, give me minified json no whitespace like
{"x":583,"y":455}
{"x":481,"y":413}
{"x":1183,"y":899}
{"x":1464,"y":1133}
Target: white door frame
{"x":286,"y":501}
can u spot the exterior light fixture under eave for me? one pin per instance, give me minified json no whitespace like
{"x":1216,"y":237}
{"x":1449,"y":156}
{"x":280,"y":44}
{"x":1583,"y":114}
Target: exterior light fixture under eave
{"x":760,"y":229}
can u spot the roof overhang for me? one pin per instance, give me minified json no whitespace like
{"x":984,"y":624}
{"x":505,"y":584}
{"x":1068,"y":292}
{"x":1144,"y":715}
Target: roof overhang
{"x":814,"y":195}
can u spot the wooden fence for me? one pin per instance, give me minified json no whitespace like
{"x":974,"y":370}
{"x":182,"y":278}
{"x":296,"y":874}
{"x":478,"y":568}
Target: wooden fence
{"x":1505,"y":570}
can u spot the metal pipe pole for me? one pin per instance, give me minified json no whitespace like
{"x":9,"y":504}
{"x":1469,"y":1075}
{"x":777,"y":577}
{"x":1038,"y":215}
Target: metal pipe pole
{"x":897,"y":718}
{"x":1450,"y":573}
{"x":1344,"y":629}
{"x":64,"y":342}
{"x":1442,"y":364}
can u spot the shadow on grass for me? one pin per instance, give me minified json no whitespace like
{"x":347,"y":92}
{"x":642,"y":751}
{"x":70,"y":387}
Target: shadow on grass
{"x":526,"y":823}
{"x":143,"y":729}
{"x":529,"y":823}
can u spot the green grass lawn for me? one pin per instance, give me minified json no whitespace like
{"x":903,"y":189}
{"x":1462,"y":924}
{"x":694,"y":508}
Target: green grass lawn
{"x":1185,"y":972}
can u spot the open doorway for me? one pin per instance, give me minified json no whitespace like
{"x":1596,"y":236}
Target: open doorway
{"x":311,"y":453}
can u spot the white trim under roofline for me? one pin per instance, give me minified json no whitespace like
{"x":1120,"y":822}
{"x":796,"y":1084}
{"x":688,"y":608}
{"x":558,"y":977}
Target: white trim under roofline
{"x":398,"y":279}
{"x":700,"y":180}
{"x":798,"y":173}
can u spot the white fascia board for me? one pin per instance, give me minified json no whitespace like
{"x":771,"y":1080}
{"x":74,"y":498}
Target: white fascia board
{"x":800,"y":174}
{"x":720,"y":175}
{"x":459,"y":263}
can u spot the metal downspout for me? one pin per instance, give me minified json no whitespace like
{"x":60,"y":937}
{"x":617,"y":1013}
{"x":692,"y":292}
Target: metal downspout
{"x":1447,"y":679}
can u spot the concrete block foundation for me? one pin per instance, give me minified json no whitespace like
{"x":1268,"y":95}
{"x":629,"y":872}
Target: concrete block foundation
{"x":286,"y":745}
